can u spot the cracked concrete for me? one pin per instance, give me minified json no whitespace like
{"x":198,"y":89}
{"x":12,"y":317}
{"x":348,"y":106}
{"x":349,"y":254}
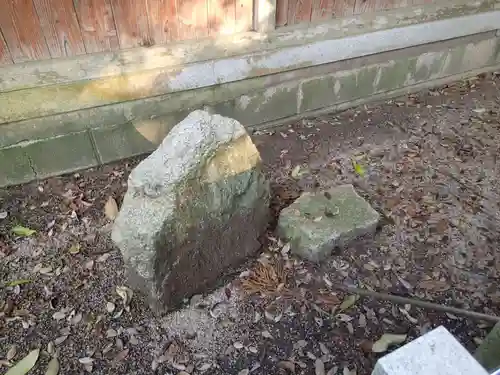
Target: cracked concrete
{"x":31,"y":165}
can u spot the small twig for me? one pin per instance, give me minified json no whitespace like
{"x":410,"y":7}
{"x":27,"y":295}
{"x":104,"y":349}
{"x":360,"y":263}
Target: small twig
{"x":419,"y":303}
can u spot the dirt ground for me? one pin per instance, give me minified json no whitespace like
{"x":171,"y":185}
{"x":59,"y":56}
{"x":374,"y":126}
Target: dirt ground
{"x":426,"y":162}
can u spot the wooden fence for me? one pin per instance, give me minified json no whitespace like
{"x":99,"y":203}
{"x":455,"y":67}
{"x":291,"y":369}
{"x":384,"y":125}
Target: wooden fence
{"x":47,"y":29}
{"x":44,"y":29}
{"x":291,"y":12}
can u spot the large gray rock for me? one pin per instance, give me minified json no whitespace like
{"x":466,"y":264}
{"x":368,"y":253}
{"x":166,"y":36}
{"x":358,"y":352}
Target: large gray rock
{"x":195,"y":207}
{"x":318,"y":222}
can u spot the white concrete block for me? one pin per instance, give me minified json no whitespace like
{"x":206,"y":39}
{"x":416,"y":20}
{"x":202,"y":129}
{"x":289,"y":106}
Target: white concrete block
{"x":436,"y":353}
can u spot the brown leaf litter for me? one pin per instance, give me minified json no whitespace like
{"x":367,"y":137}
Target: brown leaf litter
{"x":426,"y":162}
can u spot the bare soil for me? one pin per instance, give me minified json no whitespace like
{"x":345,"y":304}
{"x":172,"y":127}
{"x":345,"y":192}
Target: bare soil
{"x":426,"y":162}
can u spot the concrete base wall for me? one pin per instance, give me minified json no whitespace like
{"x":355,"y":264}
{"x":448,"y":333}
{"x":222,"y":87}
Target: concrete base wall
{"x":69,"y":139}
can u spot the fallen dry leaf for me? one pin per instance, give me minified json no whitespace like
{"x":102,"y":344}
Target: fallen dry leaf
{"x":205,"y":367}
{"x":21,"y":231}
{"x":25,"y":365}
{"x":319,"y":367}
{"x":110,"y":307}
{"x":434,"y":285}
{"x":287,"y":365}
{"x":74,"y":249}
{"x":77,"y":318}
{"x":60,"y":340}
{"x":358,"y":168}
{"x":266,"y":335}
{"x":346,"y":371}
{"x":51,"y":348}
{"x":45,"y":270}
{"x":86,"y":360}
{"x":323,"y":348}
{"x":386,"y":340}
{"x":362,"y":321}
{"x":111,"y":333}
{"x":286,"y":249}
{"x":11,"y":353}
{"x":295,"y":172}
{"x":178,"y":366}
{"x":125,"y":293}
{"x":111,"y":209}
{"x":59,"y":315}
{"x":121,"y":356}
{"x":104,"y":257}
{"x":18,"y":282}
{"x":348,"y":302}
{"x":238,"y":345}
{"x":133,"y":340}
{"x":408,"y":316}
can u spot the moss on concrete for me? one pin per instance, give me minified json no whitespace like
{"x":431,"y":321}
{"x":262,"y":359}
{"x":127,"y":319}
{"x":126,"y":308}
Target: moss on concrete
{"x":15,"y":167}
{"x":60,"y":155}
{"x":134,"y":127}
{"x":267,"y":105}
{"x":316,"y":223}
{"x":317,"y":93}
{"x":133,"y":138}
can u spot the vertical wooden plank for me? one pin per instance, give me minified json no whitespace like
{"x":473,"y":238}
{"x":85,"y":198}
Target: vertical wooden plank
{"x":299,"y":11}
{"x":131,"y":21}
{"x":163,"y":20}
{"x":244,"y":15}
{"x":60,"y":27}
{"x":264,"y":16}
{"x":97,"y":25}
{"x":21,"y":29}
{"x":5,"y":57}
{"x":367,"y":6}
{"x":281,"y":12}
{"x":193,"y":18}
{"x":201,"y":18}
{"x":213,"y":18}
{"x":227,"y":11}
{"x":329,"y":9}
{"x":322,"y":10}
{"x":221,"y":17}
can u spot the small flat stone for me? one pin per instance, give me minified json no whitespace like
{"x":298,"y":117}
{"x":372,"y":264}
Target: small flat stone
{"x":318,"y":222}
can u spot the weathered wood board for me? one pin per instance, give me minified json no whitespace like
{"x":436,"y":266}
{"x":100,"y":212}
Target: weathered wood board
{"x":97,"y":25}
{"x":5,"y":57}
{"x":22,"y":31}
{"x":59,"y":25}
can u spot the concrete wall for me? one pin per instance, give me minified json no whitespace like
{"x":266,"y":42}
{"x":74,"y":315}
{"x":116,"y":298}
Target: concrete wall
{"x":65,"y":115}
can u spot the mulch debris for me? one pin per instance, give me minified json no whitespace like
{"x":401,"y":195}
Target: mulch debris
{"x":427,"y":162}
